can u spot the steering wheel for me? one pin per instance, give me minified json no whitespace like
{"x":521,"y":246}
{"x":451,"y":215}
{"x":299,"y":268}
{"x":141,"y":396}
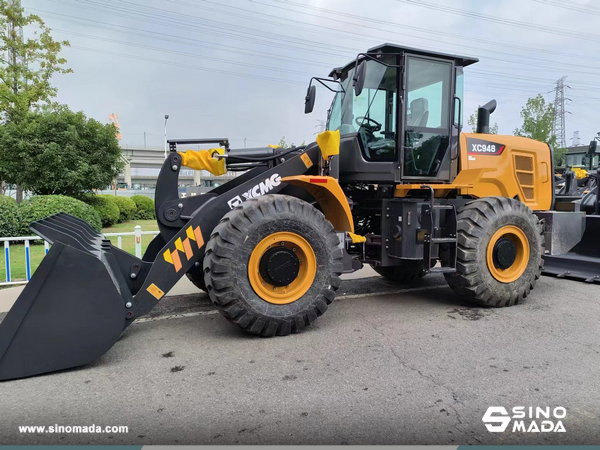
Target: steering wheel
{"x":359,"y":122}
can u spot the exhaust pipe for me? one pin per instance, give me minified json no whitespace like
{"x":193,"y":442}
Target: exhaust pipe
{"x":483,"y":117}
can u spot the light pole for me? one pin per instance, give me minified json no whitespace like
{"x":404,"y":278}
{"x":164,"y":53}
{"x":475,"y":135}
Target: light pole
{"x":166,"y":118}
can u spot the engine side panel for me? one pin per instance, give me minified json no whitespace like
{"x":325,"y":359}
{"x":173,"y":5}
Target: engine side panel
{"x":513,"y":167}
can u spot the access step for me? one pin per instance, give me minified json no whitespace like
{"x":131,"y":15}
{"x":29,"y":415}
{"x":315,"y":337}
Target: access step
{"x":446,"y":240}
{"x":442,"y":270}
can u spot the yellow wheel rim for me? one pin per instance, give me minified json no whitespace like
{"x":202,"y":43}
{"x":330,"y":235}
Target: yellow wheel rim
{"x":516,"y":269}
{"x":282,"y":295}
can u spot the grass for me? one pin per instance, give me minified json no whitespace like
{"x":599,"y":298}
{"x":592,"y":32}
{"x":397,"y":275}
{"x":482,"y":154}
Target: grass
{"x":17,"y":251}
{"x":125,"y":227}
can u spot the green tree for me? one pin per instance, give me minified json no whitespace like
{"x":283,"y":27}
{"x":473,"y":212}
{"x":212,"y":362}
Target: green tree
{"x":559,"y":156}
{"x":284,"y":144}
{"x":31,"y":62}
{"x":473,"y":123}
{"x":538,"y":124}
{"x":59,"y":151}
{"x":27,"y":64}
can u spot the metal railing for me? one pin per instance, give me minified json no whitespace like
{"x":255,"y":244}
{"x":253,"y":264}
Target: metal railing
{"x":137,"y":234}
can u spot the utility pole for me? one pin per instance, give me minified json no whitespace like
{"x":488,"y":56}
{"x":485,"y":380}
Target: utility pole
{"x":144,"y":139}
{"x":575,"y":138}
{"x":15,"y":33}
{"x":322,"y":125}
{"x":560,"y":112}
{"x":244,"y":142}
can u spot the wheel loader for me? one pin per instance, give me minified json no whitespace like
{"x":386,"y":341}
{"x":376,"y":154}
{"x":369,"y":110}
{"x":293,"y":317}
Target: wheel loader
{"x":578,"y":190}
{"x":392,"y":183}
{"x":579,"y":177}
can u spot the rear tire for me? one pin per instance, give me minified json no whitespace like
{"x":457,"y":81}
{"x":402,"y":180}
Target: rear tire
{"x":234,"y":280}
{"x":406,"y":272}
{"x":483,"y":225}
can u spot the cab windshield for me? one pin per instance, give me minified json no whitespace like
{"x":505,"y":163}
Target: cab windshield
{"x":581,"y":160}
{"x":372,"y":114}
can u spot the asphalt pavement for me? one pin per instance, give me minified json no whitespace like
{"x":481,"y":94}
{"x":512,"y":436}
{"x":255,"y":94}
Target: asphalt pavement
{"x":385,"y":365}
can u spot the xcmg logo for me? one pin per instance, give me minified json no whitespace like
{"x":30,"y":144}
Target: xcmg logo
{"x":260,"y":189}
{"x":527,"y":420}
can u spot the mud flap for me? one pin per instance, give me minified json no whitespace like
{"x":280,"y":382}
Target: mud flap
{"x":70,"y":313}
{"x":582,"y":263}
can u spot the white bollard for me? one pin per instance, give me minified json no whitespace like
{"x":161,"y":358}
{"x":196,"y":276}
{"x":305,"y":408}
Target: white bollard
{"x":138,"y":240}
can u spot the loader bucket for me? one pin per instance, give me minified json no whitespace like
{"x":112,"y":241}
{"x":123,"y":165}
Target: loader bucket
{"x":72,"y":310}
{"x":582,"y":263}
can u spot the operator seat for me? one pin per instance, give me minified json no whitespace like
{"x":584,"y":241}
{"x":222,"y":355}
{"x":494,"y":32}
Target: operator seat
{"x":419,"y":112}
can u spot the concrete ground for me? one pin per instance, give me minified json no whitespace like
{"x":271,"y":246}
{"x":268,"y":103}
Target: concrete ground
{"x":8,"y":296}
{"x":385,"y":365}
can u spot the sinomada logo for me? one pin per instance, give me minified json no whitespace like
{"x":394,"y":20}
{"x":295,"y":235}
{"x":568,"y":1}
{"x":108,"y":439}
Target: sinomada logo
{"x":525,"y":419}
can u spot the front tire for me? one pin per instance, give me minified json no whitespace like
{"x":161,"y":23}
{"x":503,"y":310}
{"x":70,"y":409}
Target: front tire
{"x":197,"y":279}
{"x":500,"y":248}
{"x":272,"y":265}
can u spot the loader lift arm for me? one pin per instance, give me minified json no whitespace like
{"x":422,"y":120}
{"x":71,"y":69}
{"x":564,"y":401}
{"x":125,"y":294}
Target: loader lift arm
{"x":95,"y":290}
{"x":186,"y":247}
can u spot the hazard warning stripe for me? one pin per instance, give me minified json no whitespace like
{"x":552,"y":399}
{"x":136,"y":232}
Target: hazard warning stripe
{"x":199,"y":238}
{"x":188,"y":249}
{"x":184,"y":246}
{"x":176,"y":260}
{"x":179,"y":245}
{"x":190,"y":233}
{"x":167,"y":256}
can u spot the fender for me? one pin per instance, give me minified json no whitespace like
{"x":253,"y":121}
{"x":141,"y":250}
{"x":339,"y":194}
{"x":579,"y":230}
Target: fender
{"x":332,"y":200}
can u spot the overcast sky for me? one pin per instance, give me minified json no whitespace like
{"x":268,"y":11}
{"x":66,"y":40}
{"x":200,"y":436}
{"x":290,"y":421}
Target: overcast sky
{"x":240,"y":68}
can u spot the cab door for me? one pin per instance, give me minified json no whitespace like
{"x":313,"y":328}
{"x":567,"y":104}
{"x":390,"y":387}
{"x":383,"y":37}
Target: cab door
{"x":427,"y":118}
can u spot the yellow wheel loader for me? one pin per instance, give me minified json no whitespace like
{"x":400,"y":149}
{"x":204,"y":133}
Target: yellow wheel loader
{"x":392,"y":183}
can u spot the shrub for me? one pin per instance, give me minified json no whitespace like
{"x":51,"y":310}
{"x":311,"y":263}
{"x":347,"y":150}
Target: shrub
{"x":42,"y":206}
{"x":106,"y":208}
{"x":127,"y":207}
{"x":145,"y":207}
{"x":9,"y":221}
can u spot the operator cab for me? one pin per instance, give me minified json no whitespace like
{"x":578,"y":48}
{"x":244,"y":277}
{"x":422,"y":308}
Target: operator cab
{"x":398,"y":111}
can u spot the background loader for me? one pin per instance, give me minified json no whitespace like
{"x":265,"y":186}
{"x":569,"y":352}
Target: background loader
{"x":578,"y":191}
{"x":392,"y":183}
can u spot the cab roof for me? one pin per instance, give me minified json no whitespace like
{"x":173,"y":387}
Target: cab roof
{"x":393,"y":48}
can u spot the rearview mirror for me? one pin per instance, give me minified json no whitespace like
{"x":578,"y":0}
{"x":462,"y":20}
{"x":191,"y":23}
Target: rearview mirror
{"x":359,"y":78}
{"x":593,"y":147}
{"x":309,"y":100}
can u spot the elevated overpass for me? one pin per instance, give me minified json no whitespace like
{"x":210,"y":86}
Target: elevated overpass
{"x":144,"y":164}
